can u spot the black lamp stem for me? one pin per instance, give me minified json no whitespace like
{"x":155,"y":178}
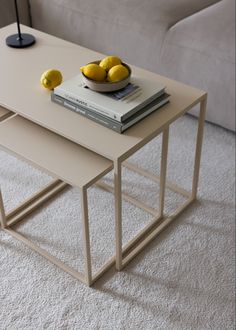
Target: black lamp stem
{"x":18,"y":21}
{"x":20,"y":40}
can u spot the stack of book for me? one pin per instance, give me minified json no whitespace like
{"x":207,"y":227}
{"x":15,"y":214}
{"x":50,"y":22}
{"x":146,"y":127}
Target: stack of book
{"x":116,"y":110}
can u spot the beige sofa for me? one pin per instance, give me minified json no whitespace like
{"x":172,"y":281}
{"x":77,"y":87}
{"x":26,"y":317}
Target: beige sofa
{"x":187,"y":40}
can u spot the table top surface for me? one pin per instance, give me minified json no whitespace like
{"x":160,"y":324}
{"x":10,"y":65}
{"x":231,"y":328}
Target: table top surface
{"x":27,"y":140}
{"x":21,"y":92}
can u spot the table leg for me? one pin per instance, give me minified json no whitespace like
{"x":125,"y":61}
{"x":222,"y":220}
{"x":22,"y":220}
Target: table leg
{"x":85,"y":223}
{"x":3,"y":221}
{"x":85,"y":277}
{"x":164,"y":153}
{"x":118,"y":213}
{"x":198,"y":150}
{"x":152,"y":230}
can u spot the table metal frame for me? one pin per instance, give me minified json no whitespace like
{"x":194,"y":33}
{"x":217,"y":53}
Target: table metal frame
{"x":113,"y":146}
{"x":124,"y":254}
{"x":161,"y":220}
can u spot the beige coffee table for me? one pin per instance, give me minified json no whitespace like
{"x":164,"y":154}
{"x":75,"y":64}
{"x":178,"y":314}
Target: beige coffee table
{"x":21,"y":93}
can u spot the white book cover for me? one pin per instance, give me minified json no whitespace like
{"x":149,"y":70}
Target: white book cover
{"x":120,"y":109}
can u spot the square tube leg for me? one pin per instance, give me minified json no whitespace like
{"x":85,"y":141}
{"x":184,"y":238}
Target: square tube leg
{"x":118,"y":213}
{"x":164,"y":153}
{"x":3,"y":221}
{"x":198,"y":150}
{"x":85,"y":223}
{"x":118,"y":197}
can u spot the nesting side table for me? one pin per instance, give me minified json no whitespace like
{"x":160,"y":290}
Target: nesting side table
{"x":31,"y":102}
{"x":69,"y":164}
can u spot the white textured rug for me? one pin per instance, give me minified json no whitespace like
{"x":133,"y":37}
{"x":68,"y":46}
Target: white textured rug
{"x":183,"y":280}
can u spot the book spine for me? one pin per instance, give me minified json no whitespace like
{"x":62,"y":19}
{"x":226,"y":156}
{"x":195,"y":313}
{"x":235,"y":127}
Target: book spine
{"x":90,"y":106}
{"x":145,"y":114}
{"x":115,"y":126}
{"x":140,"y":106}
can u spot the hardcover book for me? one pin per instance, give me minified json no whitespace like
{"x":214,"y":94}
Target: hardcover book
{"x":107,"y":121}
{"x":119,"y":105}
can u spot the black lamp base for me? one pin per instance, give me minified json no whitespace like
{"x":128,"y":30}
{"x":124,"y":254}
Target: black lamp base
{"x":15,"y":41}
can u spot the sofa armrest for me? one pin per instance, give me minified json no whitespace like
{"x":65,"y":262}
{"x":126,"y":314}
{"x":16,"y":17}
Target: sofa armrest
{"x":8,"y":14}
{"x":200,"y":51}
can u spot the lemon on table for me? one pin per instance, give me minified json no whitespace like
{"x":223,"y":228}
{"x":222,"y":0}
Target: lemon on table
{"x":117,"y":73}
{"x":94,"y":72}
{"x":108,"y":62}
{"x":51,"y":78}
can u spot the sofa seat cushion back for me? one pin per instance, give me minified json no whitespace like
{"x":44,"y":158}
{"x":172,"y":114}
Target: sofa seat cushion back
{"x":134,"y":30}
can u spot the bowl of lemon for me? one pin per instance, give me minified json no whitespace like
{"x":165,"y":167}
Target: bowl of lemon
{"x":106,"y":75}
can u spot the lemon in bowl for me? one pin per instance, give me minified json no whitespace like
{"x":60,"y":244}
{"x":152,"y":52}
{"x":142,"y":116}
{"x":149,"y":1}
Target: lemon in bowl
{"x":108,"y":62}
{"x":117,"y":73}
{"x":94,"y":71}
{"x":113,"y":80}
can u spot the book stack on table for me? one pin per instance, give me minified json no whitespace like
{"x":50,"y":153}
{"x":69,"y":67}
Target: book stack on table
{"x":117,"y":110}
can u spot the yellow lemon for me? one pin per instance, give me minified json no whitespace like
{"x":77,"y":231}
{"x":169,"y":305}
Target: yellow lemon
{"x":94,"y":72}
{"x":117,"y":73}
{"x":108,"y":62}
{"x":51,"y":78}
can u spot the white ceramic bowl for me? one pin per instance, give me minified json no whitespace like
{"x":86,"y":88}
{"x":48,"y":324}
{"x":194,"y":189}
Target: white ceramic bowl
{"x":106,"y":86}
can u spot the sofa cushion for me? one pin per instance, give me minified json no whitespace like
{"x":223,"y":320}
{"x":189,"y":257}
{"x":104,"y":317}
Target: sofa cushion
{"x":200,"y":50}
{"x":131,"y":29}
